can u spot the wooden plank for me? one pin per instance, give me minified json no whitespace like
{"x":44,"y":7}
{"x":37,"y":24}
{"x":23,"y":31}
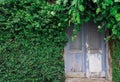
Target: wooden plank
{"x":75,"y":74}
{"x":87,"y":80}
{"x":75,"y":51}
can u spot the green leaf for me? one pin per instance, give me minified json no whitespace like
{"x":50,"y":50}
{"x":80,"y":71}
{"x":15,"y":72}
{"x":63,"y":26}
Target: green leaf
{"x":78,"y":17}
{"x":65,"y":2}
{"x":104,"y":5}
{"x":116,"y":0}
{"x":113,"y":10}
{"x":2,"y":1}
{"x":109,"y":2}
{"x":81,"y":8}
{"x":71,"y":10}
{"x":114,"y":31}
{"x":98,"y":10}
{"x":101,"y":30}
{"x":117,"y":16}
{"x":95,"y":1}
{"x":74,"y":2}
{"x":73,"y":16}
{"x":108,"y":25}
{"x":86,"y":19}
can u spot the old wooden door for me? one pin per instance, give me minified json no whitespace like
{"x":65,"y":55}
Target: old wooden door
{"x":85,"y":56}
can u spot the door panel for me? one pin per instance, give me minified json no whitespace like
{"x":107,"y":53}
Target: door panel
{"x":95,"y":64}
{"x":77,"y":43}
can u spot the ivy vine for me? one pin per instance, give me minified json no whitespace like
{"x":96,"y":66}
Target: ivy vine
{"x":105,"y":13}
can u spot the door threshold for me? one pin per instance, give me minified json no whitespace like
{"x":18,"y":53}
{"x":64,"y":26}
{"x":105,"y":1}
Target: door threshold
{"x":87,"y":80}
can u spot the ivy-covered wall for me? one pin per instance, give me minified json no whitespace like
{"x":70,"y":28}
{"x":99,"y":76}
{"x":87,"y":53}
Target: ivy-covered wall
{"x":31,"y":42}
{"x":116,"y":60}
{"x":32,"y":35}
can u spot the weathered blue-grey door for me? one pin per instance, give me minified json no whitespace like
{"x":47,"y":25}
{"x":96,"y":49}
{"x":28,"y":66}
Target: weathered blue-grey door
{"x":85,"y":56}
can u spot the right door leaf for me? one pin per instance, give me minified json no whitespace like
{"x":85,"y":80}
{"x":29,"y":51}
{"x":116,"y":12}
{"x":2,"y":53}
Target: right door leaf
{"x":94,"y":50}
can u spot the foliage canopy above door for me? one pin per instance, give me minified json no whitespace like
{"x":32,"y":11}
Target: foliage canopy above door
{"x":105,"y":13}
{"x":85,"y":56}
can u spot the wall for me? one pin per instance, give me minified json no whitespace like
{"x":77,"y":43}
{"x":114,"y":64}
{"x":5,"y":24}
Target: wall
{"x":116,"y":60}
